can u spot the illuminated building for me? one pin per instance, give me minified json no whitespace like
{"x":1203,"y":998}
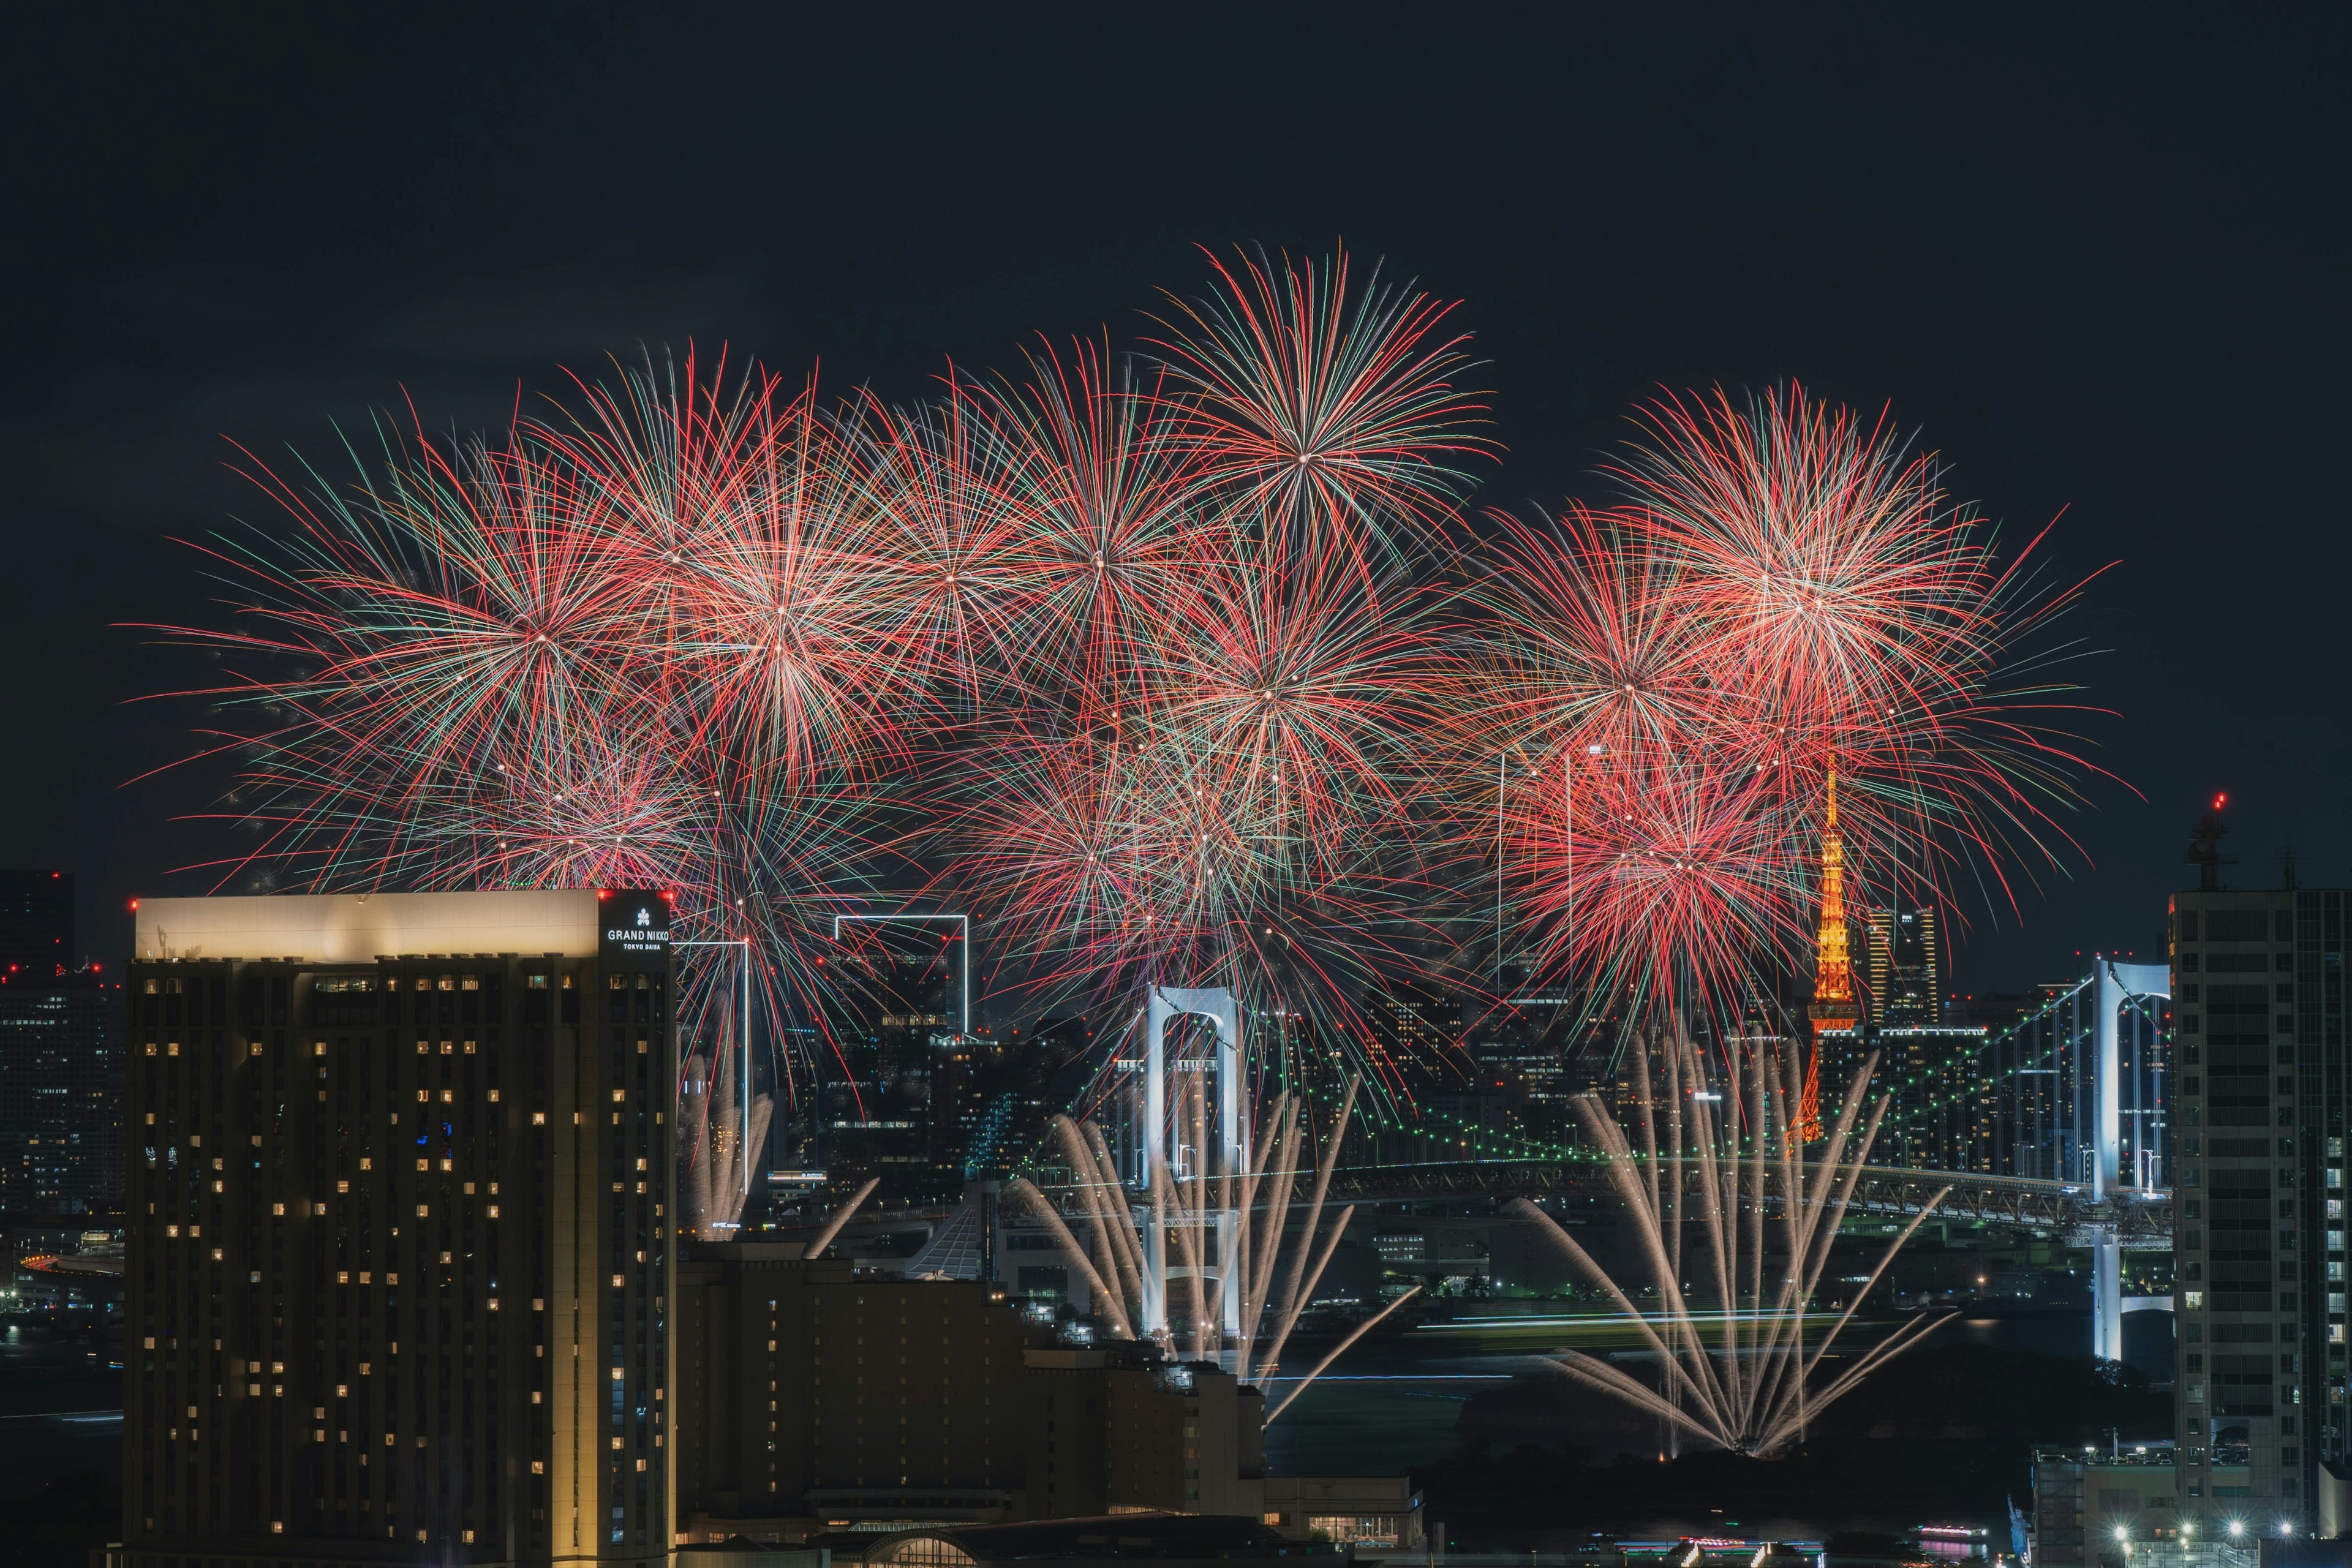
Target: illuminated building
{"x":2257,"y":1138}
{"x":399,"y":1265}
{"x":2081,"y":1495}
{"x":61,"y":1097}
{"x":60,"y":1059}
{"x":893,"y":1101}
{"x":1905,"y":969}
{"x":1940,"y":1101}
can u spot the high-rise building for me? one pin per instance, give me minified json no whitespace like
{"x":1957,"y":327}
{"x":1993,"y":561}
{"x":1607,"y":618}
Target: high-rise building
{"x":1940,"y":1100}
{"x":399,"y":1243}
{"x":36,"y":927}
{"x":1905,"y":967}
{"x":896,"y":1101}
{"x":2258,"y":1007}
{"x":61,"y":1097}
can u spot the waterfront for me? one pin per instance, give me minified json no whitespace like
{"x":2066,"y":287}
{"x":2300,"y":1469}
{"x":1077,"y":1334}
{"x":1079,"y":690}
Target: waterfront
{"x":1394,"y":1403}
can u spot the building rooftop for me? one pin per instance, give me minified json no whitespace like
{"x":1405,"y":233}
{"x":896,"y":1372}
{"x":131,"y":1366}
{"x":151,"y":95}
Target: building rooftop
{"x":358,"y":928}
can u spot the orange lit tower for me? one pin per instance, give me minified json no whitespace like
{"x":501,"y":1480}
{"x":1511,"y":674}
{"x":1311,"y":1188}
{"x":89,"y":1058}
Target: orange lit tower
{"x":1833,"y":1002}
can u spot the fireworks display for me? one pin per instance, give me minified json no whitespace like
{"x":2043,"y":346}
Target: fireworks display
{"x":1781,"y":596}
{"x":1149,"y":661}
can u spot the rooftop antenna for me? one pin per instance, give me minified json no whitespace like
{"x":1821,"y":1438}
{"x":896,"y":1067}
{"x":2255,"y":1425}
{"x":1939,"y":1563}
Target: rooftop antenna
{"x":2205,"y":847}
{"x":2287,"y":868}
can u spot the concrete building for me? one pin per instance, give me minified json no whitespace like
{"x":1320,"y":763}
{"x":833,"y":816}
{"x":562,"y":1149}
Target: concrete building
{"x":2259,"y":1038}
{"x":1355,"y":1510}
{"x":811,"y":1397}
{"x":2088,"y":1500}
{"x":814,"y":1398}
{"x":399,"y":1254}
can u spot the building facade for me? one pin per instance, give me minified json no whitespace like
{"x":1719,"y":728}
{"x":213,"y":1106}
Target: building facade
{"x":61,"y":1098}
{"x":1905,"y":967}
{"x":1940,"y":1113}
{"x":813,"y":1397}
{"x":2260,"y":1062}
{"x":2088,"y":1501}
{"x":399,"y":1216}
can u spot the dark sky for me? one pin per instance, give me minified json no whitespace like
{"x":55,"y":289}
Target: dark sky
{"x":2097,"y":255}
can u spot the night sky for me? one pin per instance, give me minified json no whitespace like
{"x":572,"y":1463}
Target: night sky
{"x":2095,"y":255}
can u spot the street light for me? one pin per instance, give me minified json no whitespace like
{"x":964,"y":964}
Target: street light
{"x":2237,"y":1527}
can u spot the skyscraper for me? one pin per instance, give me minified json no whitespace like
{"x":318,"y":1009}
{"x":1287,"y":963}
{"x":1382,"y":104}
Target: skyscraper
{"x":400,"y":1257}
{"x":1904,"y":968}
{"x":898,"y":1103}
{"x":2257,"y":1000}
{"x":36,"y":927}
{"x":61,"y":1097}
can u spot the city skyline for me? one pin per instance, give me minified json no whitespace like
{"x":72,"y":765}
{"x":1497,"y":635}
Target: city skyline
{"x":954,"y":789}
